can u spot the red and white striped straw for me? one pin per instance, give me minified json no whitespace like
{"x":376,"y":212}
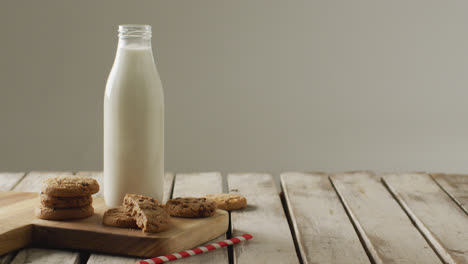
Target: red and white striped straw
{"x":196,"y":251}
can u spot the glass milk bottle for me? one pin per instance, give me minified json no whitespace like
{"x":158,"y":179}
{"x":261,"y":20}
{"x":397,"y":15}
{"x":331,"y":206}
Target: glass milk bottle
{"x":133,"y":120}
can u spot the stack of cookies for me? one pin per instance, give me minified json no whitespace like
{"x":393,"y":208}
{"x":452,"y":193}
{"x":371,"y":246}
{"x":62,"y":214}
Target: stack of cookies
{"x":67,"y":197}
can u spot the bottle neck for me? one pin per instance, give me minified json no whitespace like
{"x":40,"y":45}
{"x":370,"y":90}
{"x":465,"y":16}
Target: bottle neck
{"x":135,"y":36}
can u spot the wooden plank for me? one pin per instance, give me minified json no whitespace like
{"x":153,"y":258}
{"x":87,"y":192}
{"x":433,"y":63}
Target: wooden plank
{"x":32,"y":182}
{"x":264,"y":218}
{"x":324,"y":234}
{"x":8,"y":180}
{"x":7,"y":258}
{"x":439,"y":219}
{"x":104,"y":259}
{"x":386,"y":231}
{"x":37,"y":255}
{"x":168,"y":185}
{"x":196,"y":185}
{"x":456,"y":186}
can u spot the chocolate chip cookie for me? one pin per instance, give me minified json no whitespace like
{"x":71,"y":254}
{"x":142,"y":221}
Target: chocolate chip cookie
{"x":118,"y":217}
{"x":134,"y":202}
{"x":228,"y":201}
{"x":65,"y":202}
{"x":152,"y":220}
{"x":148,"y":213}
{"x":191,"y":207}
{"x":70,"y":186}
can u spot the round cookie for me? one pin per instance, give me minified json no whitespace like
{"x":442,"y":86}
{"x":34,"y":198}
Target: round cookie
{"x":190,"y":207}
{"x":65,"y":202}
{"x":48,"y":213}
{"x":118,"y":217}
{"x":70,"y":186}
{"x":228,"y":201}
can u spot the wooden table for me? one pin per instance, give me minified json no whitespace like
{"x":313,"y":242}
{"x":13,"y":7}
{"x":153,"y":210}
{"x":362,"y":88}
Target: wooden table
{"x":353,"y":217}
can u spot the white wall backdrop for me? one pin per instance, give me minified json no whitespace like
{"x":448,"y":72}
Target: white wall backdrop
{"x":250,"y":85}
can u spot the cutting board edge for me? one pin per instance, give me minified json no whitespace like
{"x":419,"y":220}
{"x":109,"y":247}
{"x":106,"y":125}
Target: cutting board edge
{"x":21,"y":225}
{"x":21,"y":237}
{"x":150,"y":246}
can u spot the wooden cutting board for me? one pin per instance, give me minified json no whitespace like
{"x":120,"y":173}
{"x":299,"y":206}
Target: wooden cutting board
{"x":19,"y":228}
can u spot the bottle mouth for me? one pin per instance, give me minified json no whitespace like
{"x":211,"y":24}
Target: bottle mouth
{"x":134,"y":31}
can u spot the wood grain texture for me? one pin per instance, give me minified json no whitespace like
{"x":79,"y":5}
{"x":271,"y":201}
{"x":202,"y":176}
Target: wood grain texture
{"x":323,"y":230}
{"x":264,"y":218}
{"x":32,"y":182}
{"x":387,"y":232}
{"x":16,"y":214}
{"x":7,"y":258}
{"x":456,"y":186}
{"x":196,"y":185}
{"x":442,"y":222}
{"x":20,"y":226}
{"x":109,"y":259}
{"x":36,"y":255}
{"x":9,"y":179}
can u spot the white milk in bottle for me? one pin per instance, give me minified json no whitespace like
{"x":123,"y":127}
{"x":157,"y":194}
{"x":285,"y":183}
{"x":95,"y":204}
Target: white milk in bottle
{"x":133,"y":120}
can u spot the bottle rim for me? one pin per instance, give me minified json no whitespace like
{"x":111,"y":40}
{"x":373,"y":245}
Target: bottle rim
{"x":134,"y":31}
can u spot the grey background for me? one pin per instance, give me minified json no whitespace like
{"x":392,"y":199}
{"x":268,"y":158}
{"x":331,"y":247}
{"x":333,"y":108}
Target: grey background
{"x":249,"y":85}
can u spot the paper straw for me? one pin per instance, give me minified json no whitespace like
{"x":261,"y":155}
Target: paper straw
{"x":196,"y":251}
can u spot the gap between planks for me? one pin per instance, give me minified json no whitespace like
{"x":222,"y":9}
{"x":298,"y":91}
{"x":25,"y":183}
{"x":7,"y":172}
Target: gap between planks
{"x":264,"y":218}
{"x":24,"y":186}
{"x":197,"y":185}
{"x":442,"y":222}
{"x":385,"y":230}
{"x":291,"y":225}
{"x":323,"y":230}
{"x":9,"y":180}
{"x":456,"y":186}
